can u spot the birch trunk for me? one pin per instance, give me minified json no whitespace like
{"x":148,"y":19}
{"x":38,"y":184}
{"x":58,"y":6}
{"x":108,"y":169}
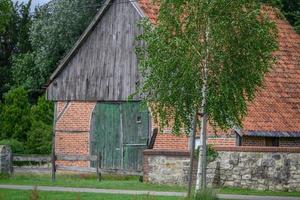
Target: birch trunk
{"x":192,"y":150}
{"x":201,"y":171}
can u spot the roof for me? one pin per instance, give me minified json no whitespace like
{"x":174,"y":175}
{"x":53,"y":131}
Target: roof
{"x":286,"y":134}
{"x":150,"y":9}
{"x":276,"y":107}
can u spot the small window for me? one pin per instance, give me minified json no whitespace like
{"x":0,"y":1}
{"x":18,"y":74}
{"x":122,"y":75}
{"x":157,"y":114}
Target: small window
{"x":139,"y":119}
{"x":272,"y":141}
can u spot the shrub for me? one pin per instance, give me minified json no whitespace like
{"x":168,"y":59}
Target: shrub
{"x":15,"y":115}
{"x":39,"y":135}
{"x":39,"y":138}
{"x":16,"y":146}
{"x":43,"y":111}
{"x":211,"y":153}
{"x":21,"y":124}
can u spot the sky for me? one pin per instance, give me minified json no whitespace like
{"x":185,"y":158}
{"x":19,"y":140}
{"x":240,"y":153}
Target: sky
{"x":34,"y":2}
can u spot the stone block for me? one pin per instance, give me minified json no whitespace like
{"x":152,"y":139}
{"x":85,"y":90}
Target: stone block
{"x":5,"y":160}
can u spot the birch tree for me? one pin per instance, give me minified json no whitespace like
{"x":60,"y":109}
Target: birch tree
{"x":206,"y":57}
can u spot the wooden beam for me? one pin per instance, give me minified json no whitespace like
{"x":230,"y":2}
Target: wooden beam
{"x":76,"y":158}
{"x":32,"y":158}
{"x":53,"y":144}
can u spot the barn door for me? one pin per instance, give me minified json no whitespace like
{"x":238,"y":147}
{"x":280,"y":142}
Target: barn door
{"x":135,"y":120}
{"x":105,"y":136}
{"x":120,"y":133}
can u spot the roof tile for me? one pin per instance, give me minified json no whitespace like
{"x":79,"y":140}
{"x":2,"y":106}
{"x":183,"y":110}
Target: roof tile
{"x":276,"y":106}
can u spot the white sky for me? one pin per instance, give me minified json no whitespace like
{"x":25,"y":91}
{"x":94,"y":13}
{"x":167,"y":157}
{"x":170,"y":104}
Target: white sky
{"x":34,"y":2}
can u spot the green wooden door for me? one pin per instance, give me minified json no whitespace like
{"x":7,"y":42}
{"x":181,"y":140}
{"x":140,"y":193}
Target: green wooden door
{"x":105,"y":135}
{"x":136,"y":128}
{"x":120,"y":132}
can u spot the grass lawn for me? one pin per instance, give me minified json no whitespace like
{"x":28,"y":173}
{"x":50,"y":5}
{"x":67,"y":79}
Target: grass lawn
{"x":256,"y":192}
{"x":117,"y":182}
{"x":88,"y":181}
{"x":25,"y":195}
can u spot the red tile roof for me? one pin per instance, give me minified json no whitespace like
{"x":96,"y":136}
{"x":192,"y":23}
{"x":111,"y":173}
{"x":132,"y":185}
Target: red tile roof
{"x":277,"y":105}
{"x":150,"y":9}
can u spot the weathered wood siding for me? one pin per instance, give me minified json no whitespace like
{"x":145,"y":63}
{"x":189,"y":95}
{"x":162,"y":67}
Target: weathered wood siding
{"x":105,"y":68}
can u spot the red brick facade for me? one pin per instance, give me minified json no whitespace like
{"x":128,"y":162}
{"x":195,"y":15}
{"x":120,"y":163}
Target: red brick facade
{"x":261,"y":141}
{"x":169,"y":141}
{"x":73,"y":130}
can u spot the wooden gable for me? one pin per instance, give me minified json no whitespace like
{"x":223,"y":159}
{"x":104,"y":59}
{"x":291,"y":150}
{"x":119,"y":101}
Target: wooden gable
{"x":103,"y":65}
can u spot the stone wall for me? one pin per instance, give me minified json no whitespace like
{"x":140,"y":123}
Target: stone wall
{"x":166,"y":167}
{"x":268,"y":170}
{"x":5,"y":160}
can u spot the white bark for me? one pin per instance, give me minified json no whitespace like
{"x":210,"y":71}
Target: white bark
{"x":192,"y":149}
{"x":201,"y":171}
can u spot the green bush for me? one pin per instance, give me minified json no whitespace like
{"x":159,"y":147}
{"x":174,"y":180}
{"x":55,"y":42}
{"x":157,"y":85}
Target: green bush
{"x":43,"y":111}
{"x":15,"y":118}
{"x":16,"y":146}
{"x":211,"y":153}
{"x":21,"y":123}
{"x":39,"y":135}
{"x":39,"y":138}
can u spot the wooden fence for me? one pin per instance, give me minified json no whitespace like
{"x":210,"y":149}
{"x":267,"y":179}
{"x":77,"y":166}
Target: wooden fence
{"x":38,"y":163}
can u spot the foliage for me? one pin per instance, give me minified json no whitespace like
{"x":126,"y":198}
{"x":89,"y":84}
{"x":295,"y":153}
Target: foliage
{"x":238,"y":52}
{"x":211,"y":153}
{"x":24,"y":66}
{"x":39,"y":138}
{"x":40,"y":134}
{"x":31,"y":125}
{"x":16,"y":146}
{"x":5,"y":13}
{"x":13,"y":41}
{"x":15,"y":115}
{"x":43,"y":111}
{"x":206,"y":194}
{"x":290,"y":9}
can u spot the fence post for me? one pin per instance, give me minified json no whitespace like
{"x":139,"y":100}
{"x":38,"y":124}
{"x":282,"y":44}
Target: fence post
{"x":5,"y":160}
{"x":98,"y":167}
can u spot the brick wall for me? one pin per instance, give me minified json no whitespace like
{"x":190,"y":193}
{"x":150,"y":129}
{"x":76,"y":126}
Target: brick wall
{"x":253,"y":141}
{"x":289,"y":142}
{"x":221,"y":141}
{"x":261,"y":141}
{"x":170,"y":141}
{"x":73,"y":130}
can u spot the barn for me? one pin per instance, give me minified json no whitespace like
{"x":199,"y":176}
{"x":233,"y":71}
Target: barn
{"x":91,"y":89}
{"x":92,"y":85}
